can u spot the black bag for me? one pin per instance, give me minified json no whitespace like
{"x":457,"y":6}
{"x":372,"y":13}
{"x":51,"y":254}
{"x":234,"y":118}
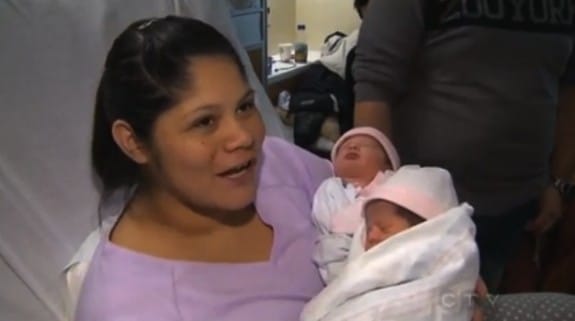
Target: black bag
{"x":320,"y":94}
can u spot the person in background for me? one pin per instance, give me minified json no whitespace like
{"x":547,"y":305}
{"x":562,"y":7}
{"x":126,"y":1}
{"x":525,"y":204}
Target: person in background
{"x":360,"y":6}
{"x":347,"y":115}
{"x":485,"y":91}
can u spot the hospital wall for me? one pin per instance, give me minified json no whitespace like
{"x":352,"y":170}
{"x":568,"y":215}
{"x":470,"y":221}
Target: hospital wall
{"x":281,"y":22}
{"x":321,"y":18}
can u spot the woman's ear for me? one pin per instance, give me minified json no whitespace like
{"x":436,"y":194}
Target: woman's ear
{"x":129,"y":143}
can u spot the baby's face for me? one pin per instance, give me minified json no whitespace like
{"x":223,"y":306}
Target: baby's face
{"x":382,"y":220}
{"x":360,"y":155}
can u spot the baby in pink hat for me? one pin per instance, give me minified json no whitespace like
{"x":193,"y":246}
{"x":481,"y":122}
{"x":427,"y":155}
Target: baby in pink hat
{"x":414,"y":258}
{"x":410,"y":197}
{"x":361,"y":154}
{"x":362,"y":159}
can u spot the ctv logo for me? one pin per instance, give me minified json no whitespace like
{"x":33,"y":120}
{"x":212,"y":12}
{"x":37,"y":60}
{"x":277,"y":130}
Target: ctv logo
{"x":464,"y":300}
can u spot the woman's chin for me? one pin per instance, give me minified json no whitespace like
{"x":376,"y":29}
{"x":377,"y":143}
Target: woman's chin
{"x":237,"y":210}
{"x":237,"y":201}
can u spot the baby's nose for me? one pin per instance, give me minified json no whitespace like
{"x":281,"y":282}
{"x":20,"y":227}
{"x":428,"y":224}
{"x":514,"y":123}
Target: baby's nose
{"x":374,"y":236}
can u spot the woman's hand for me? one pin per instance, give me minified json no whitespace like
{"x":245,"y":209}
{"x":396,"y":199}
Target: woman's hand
{"x":481,"y":295}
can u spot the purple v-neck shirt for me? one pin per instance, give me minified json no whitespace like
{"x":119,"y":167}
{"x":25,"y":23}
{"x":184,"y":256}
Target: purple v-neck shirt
{"x":123,"y":285}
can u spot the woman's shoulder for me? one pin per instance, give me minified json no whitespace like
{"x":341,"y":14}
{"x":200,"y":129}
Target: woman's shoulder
{"x":286,"y":163}
{"x":116,"y":273}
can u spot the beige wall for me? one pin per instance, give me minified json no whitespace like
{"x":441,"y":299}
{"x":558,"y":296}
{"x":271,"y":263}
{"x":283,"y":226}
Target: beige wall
{"x":281,"y":23}
{"x":321,"y":18}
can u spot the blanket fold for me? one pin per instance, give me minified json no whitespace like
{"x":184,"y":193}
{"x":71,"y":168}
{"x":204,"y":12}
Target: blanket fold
{"x":426,"y":273}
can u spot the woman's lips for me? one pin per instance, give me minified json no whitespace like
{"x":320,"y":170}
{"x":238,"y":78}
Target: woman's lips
{"x":241,"y":173}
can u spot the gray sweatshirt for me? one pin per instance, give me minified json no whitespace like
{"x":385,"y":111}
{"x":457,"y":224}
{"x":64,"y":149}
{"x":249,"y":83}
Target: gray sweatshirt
{"x":473,"y":86}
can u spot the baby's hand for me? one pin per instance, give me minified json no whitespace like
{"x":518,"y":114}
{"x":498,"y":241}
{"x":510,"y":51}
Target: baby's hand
{"x":481,"y":294}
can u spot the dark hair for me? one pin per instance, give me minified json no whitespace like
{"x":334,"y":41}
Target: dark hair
{"x":358,"y":4}
{"x":411,"y":218}
{"x":145,"y":71}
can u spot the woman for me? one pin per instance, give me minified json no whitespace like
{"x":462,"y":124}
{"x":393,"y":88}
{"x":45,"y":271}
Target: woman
{"x":218,"y":226}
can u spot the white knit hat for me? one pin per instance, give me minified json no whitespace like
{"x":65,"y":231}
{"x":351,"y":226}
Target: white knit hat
{"x":375,"y":134}
{"x":426,"y":191}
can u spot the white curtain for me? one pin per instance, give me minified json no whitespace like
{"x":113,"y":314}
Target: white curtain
{"x":51,"y":56}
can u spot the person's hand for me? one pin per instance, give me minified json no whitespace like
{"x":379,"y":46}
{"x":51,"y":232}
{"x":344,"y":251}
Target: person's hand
{"x":481,"y":294}
{"x":481,"y":289}
{"x":550,"y":211}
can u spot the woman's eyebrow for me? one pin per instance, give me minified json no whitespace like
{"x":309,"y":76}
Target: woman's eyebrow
{"x":247,"y":94}
{"x":203,"y":108}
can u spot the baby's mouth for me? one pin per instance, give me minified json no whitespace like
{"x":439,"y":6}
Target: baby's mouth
{"x":351,"y":156}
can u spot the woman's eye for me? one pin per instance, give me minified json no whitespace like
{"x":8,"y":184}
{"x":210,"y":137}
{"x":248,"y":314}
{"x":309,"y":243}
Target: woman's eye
{"x":246,"y":107}
{"x":204,"y":122}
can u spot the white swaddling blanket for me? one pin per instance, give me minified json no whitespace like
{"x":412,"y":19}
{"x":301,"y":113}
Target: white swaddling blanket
{"x":336,"y":199}
{"x":426,"y":273}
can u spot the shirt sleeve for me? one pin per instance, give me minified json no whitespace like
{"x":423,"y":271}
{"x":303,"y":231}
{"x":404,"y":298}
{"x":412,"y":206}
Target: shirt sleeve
{"x":330,"y":254}
{"x":569,"y":74}
{"x":330,"y":198}
{"x":389,"y":39}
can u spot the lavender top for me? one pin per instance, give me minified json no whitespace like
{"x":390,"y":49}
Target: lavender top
{"x":125,"y":285}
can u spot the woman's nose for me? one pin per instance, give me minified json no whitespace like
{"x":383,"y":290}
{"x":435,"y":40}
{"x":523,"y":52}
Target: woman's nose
{"x":238,"y":135}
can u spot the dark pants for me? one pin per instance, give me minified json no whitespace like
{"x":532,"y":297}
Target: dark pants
{"x":498,"y":237}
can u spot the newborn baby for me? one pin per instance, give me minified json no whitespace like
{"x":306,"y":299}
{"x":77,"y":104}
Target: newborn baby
{"x":383,"y":219}
{"x":362,"y":159}
{"x":412,"y":196}
{"x":415,"y":250}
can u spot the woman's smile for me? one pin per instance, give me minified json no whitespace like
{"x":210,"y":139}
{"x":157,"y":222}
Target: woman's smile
{"x":241,"y":174}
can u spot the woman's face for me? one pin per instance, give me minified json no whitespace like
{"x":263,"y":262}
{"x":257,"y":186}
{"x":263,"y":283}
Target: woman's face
{"x":205,"y":149}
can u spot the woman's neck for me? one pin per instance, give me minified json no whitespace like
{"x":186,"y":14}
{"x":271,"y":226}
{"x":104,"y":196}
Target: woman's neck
{"x":160,"y":225}
{"x":163,"y":209}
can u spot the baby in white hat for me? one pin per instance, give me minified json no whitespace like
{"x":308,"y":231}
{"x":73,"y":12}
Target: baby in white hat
{"x":362,"y":159}
{"x":412,"y":196}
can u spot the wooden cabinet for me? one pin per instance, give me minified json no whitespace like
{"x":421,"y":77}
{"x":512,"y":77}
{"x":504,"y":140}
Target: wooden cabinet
{"x":250,"y":20}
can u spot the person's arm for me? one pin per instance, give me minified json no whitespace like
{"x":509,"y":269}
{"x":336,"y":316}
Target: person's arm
{"x":563,"y":160}
{"x":563,"y":157}
{"x":329,"y":199}
{"x":330,"y":254}
{"x":375,"y":114}
{"x":389,"y":40}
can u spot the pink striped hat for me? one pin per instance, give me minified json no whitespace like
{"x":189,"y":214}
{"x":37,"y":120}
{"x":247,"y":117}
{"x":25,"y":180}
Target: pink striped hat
{"x":375,"y":134}
{"x":426,"y":191}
